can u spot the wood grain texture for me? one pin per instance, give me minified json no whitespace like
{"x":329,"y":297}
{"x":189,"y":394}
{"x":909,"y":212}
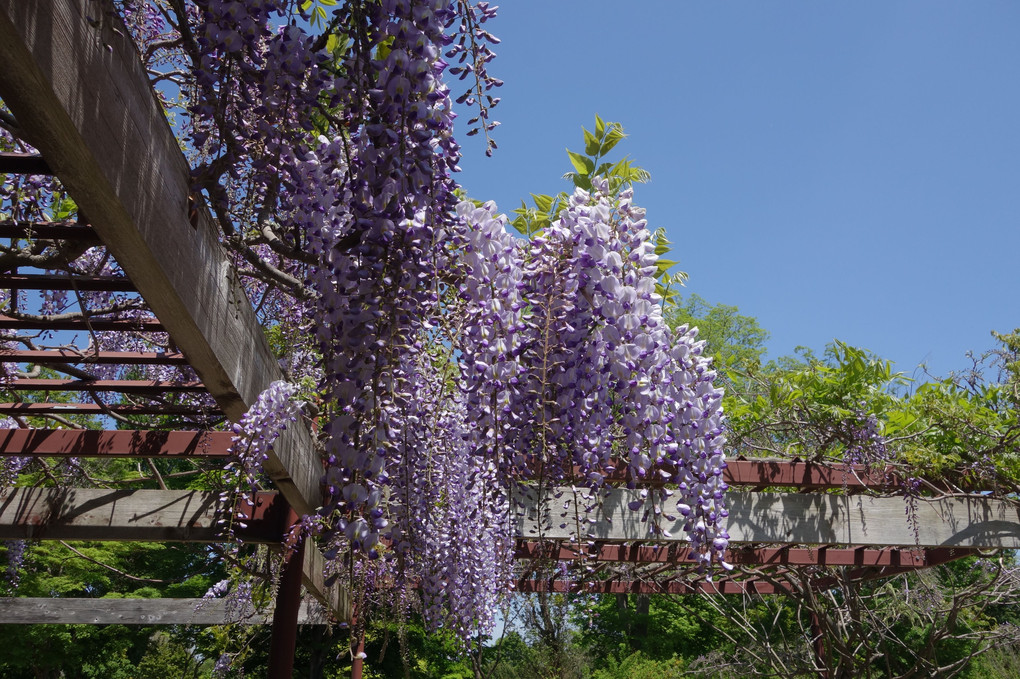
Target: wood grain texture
{"x":791,"y":518}
{"x":80,"y":93}
{"x":76,"y":84}
{"x":124,"y":515}
{"x":42,"y":611}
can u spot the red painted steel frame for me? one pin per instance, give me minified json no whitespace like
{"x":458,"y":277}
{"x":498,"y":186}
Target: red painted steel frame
{"x":48,"y":231}
{"x":87,"y":357}
{"x":23,"y":163}
{"x":30,"y":409}
{"x":640,"y":587}
{"x":66,"y":282}
{"x":780,"y":556}
{"x":283,"y":640}
{"x":114,"y":443}
{"x":145,"y":387}
{"x":98,"y":324}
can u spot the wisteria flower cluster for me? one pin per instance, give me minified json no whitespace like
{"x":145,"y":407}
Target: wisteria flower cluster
{"x":567,"y":361}
{"x":254,"y":437}
{"x":454,"y":361}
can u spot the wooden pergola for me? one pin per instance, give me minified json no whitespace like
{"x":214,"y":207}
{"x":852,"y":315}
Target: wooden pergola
{"x":77,"y":88}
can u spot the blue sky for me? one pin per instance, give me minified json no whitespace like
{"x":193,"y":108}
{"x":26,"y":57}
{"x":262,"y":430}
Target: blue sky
{"x":837,"y":170}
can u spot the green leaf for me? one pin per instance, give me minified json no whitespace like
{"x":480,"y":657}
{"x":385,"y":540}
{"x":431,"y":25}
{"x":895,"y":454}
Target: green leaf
{"x":582,"y":164}
{"x":63,"y":209}
{"x":591,"y":143}
{"x":600,"y":127}
{"x":664,"y":265}
{"x":613,"y":137}
{"x":662,"y":244}
{"x":542,"y":202}
{"x":582,"y":182}
{"x":306,"y":4}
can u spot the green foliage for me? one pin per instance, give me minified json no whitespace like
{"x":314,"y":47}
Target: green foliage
{"x":530,"y":221}
{"x":639,"y":631}
{"x":638,"y":666}
{"x":733,"y":340}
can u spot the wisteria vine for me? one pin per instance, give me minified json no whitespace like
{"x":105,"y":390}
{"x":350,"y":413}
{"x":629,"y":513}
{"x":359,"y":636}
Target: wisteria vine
{"x":453,"y":362}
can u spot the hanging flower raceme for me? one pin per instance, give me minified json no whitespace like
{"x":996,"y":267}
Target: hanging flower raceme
{"x":254,"y":436}
{"x":589,"y":369}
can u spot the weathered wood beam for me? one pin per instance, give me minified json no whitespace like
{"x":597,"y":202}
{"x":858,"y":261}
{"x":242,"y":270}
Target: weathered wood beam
{"x":83,"y":99}
{"x":154,"y":516}
{"x":971,"y":521}
{"x":65,"y":611}
{"x":114,"y":443}
{"x":133,"y":515}
{"x":762,"y":473}
{"x":755,"y":518}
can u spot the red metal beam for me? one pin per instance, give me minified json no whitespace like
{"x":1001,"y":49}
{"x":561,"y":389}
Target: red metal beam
{"x":30,"y":409}
{"x":283,"y":641}
{"x":97,"y":324}
{"x":642,"y":587}
{"x":805,"y":475}
{"x":23,"y":163}
{"x":97,"y":357}
{"x":66,"y":282}
{"x":114,"y":443}
{"x":142,"y":387}
{"x":905,"y":557}
{"x":48,"y":231}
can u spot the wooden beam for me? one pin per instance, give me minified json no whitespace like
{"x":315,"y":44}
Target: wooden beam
{"x":132,"y":515}
{"x":84,"y":100}
{"x":761,"y":473}
{"x":114,"y":443}
{"x":755,"y":518}
{"x":73,"y":611}
{"x":151,"y":516}
{"x":783,"y":518}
